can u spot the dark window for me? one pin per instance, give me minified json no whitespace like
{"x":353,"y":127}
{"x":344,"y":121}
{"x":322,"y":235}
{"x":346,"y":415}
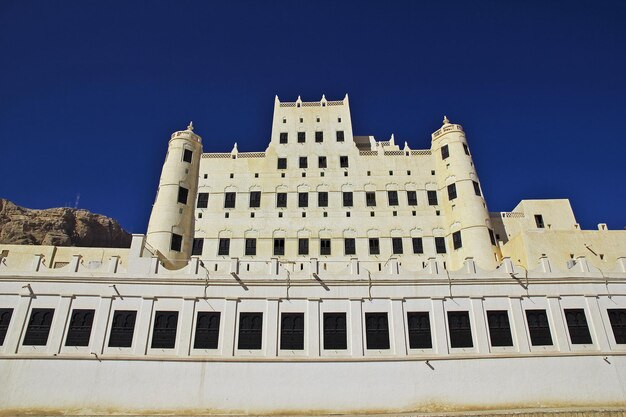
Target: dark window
{"x":187,"y":154}
{"x":440,"y":245}
{"x":224,"y":247}
{"x":392,"y":196}
{"x":412,"y":198}
{"x":250,"y":246}
{"x":319,"y":136}
{"x":347,"y":199}
{"x":466,"y":149}
{"x":451,"y":191}
{"x":303,"y":246}
{"x":476,"y":188}
{"x":279,"y":246}
{"x":250,"y":331}
{"x":396,"y":243}
{"x":80,"y":328}
{"x":38,"y":327}
{"x":301,"y":137}
{"x":281,"y":199}
{"x":376,"y":331}
{"x":292,"y":331}
{"x":617,"y":317}
{"x":374,"y":246}
{"x":538,"y":327}
{"x":122,"y":328}
{"x":207,"y":330}
{"x":335,"y":332}
{"x":492,"y":237}
{"x":164,"y":333}
{"x":203,"y":200}
{"x":303,"y":199}
{"x":419,"y":330}
{"x":539,"y":221}
{"x":577,"y":326}
{"x":340,"y":136}
{"x":432,"y":198}
{"x":322,"y":199}
{"x":445,"y":152}
{"x":5,"y":319}
{"x":321,"y":161}
{"x":255,"y":199}
{"x":282,"y":163}
{"x":343,"y":161}
{"x":304,"y":163}
{"x":370,"y":199}
{"x":176,"y":243}
{"x":229,"y":200}
{"x":456,"y":240}
{"x":183,"y":193}
{"x":324,"y":246}
{"x":418,"y":245}
{"x":349,"y":246}
{"x":499,"y":328}
{"x":460,"y":329}
{"x":283,"y":137}
{"x":198,"y":244}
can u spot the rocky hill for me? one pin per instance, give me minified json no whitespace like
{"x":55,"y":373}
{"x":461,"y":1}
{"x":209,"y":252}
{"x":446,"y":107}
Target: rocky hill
{"x":59,"y":227}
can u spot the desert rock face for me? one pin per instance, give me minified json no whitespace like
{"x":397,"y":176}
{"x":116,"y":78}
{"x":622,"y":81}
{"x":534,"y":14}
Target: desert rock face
{"x":59,"y":227}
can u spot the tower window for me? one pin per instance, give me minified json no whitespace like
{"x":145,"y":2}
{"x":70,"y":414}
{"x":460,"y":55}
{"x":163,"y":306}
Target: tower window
{"x":281,"y":199}
{"x":122,"y":328}
{"x":324,"y":246}
{"x":419,"y":330}
{"x":343,"y":161}
{"x":392,"y":196}
{"x":349,"y":246}
{"x":301,"y":135}
{"x":456,"y":240}
{"x":577,"y":326}
{"x":229,"y":200}
{"x":347,"y":199}
{"x":411,"y":198}
{"x":183,"y":193}
{"x":292,"y":331}
{"x":250,"y":331}
{"x":283,"y":137}
{"x":539,"y":221}
{"x":223,"y":248}
{"x":79,"y":330}
{"x":322,"y":199}
{"x":451,"y":191}
{"x":370,"y":199}
{"x":440,"y":245}
{"x":255,"y":199}
{"x":176,"y":243}
{"x":476,"y":188}
{"x":198,"y":244}
{"x":187,"y":155}
{"x":338,"y":119}
{"x":617,"y":317}
{"x":374,"y":245}
{"x":499,"y":328}
{"x":466,"y":149}
{"x":321,"y":162}
{"x":538,"y":327}
{"x":164,"y":331}
{"x":445,"y":152}
{"x":376,"y":331}
{"x":396,"y":243}
{"x":303,"y":199}
{"x":207,"y":330}
{"x":5,"y":319}
{"x":203,"y":200}
{"x":340,"y":136}
{"x":418,"y":245}
{"x":492,"y":237}
{"x":432,"y":198}
{"x":335,"y":331}
{"x":303,"y":246}
{"x":282,"y":163}
{"x":460,"y":329}
{"x":250,"y":247}
{"x":304,"y":162}
{"x":319,"y":136}
{"x":279,"y":246}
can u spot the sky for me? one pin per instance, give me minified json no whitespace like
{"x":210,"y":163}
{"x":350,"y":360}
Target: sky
{"x":91,"y":91}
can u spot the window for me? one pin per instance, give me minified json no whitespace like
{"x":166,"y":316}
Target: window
{"x":279,"y":246}
{"x":451,"y":192}
{"x":396,"y":243}
{"x":347,"y":199}
{"x":79,"y":329}
{"x":322,"y":199}
{"x":176,"y":243}
{"x":419,"y":330}
{"x":283,"y":137}
{"x":250,"y":331}
{"x":499,"y":328}
{"x":492,"y":237}
{"x":577,"y":326}
{"x":122,"y":328}
{"x":303,"y":246}
{"x":304,"y":163}
{"x":460,"y":329}
{"x":187,"y":155}
{"x":445,"y":152}
{"x":203,"y":200}
{"x":339,"y":119}
{"x":198,"y":244}
{"x":412,"y":198}
{"x":319,"y":136}
{"x":456,"y":240}
{"x":281,"y":199}
{"x":376,"y":331}
{"x":476,"y":188}
{"x":432,"y":198}
{"x":38,"y":327}
{"x":250,"y":247}
{"x":321,"y":162}
{"x":335,"y":332}
{"x":466,"y":149}
{"x":370,"y":199}
{"x":324,"y":246}
{"x":282,"y":163}
{"x":617,"y":317}
{"x":292,"y":331}
{"x":538,"y":327}
{"x":343,"y":161}
{"x":349,"y":246}
{"x":255,"y":199}
{"x":539,"y":221}
{"x":340,"y":136}
{"x":374,"y":246}
{"x":183,"y":193}
{"x":223,"y":248}
{"x":5,"y":319}
{"x":392,"y":196}
{"x":229,"y":199}
{"x":207,"y":330}
{"x":418,"y":245}
{"x":301,"y":135}
{"x":164,"y":331}
{"x":440,"y":245}
{"x":303,"y":199}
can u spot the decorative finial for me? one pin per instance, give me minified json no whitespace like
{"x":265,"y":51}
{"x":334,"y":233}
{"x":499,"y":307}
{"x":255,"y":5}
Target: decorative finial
{"x":190,"y":127}
{"x":445,"y":120}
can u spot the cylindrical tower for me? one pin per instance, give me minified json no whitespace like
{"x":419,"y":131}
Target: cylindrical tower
{"x":460,"y":196}
{"x":171,"y":225}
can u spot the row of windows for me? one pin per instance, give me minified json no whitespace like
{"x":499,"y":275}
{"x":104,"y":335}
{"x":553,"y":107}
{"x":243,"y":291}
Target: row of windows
{"x":292,"y":327}
{"x":303,"y":162}
{"x":445,"y":151}
{"x":317,"y":119}
{"x":322,"y":163}
{"x":301,"y":137}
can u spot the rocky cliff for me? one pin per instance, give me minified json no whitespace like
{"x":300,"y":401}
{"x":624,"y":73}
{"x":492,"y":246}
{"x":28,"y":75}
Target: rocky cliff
{"x":59,"y":227}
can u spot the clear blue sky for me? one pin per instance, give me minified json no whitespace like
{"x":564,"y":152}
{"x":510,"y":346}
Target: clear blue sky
{"x":91,"y":90}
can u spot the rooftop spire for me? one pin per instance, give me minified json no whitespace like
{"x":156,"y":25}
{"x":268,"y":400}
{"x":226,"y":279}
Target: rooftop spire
{"x":445,"y":120}
{"x":190,"y":127}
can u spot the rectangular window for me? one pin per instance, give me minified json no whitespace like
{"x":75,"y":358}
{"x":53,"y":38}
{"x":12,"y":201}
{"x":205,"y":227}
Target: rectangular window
{"x":370,"y":199}
{"x":183,"y":193}
{"x":250,"y":247}
{"x":412,"y":198}
{"x":283,"y":137}
{"x":255,"y":199}
{"x":396,"y":243}
{"x":176,"y":243}
{"x":349,"y":246}
{"x":250,"y":331}
{"x":322,"y":199}
{"x":440,"y":245}
{"x":539,"y":221}
{"x":577,"y":326}
{"x":292,"y":331}
{"x":340,"y":136}
{"x":281,"y":163}
{"x":187,"y":155}
{"x":343,"y":161}
{"x":539,"y":328}
{"x":476,"y":188}
{"x":279,"y":246}
{"x":38,"y":327}
{"x":324,"y":246}
{"x":499,"y":328}
{"x":223,"y":248}
{"x":335,"y":331}
{"x":203,"y":200}
{"x":303,"y":199}
{"x":79,"y":330}
{"x":418,"y":245}
{"x":122,"y":328}
{"x":419,"y":330}
{"x":460,"y":329}
{"x":374,"y":246}
{"x":164,"y":331}
{"x":301,"y":137}
{"x":347,"y":199}
{"x":432,"y":198}
{"x":376,"y":331}
{"x":392,"y":196}
{"x":466,"y":149}
{"x":229,"y":200}
{"x":5,"y":319}
{"x":617,"y":317}
{"x":321,"y":161}
{"x":281,"y":199}
{"x":198,"y":245}
{"x":304,"y":162}
{"x":457,"y":243}
{"x":319,"y":137}
{"x":303,"y":246}
{"x":451,"y":191}
{"x":492,"y":237}
{"x":445,"y":152}
{"x":207,"y":330}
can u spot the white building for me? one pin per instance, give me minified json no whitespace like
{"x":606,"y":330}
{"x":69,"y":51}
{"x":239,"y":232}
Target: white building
{"x":329,"y":273}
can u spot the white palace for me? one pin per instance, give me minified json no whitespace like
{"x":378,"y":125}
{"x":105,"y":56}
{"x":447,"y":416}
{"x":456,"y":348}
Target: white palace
{"x":330,"y":273}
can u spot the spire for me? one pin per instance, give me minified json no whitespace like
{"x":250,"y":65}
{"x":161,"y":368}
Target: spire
{"x":190,"y":127}
{"x":445,"y":120}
